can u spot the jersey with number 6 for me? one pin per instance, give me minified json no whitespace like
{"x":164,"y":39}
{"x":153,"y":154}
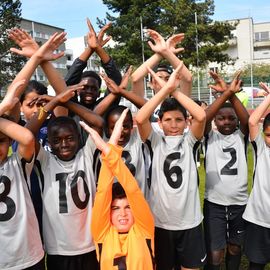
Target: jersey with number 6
{"x":258,"y":206}
{"x":20,"y":243}
{"x":174,"y":195}
{"x":68,"y":189}
{"x":226,"y":168}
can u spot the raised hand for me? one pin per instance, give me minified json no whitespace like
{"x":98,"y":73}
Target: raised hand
{"x":112,"y":86}
{"x":265,"y":88}
{"x":11,"y":97}
{"x":27,"y":44}
{"x":99,"y":142}
{"x":101,"y":33}
{"x":160,"y":82}
{"x":125,"y":78}
{"x":172,"y":42}
{"x":66,"y":95}
{"x":159,"y":45}
{"x":117,"y":130}
{"x":236,"y":83}
{"x":91,"y":36}
{"x":175,"y":77}
{"x":46,"y":51}
{"x":220,"y":85}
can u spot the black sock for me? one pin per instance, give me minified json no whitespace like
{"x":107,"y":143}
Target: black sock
{"x":211,"y":267}
{"x":256,"y":266}
{"x":233,"y":261}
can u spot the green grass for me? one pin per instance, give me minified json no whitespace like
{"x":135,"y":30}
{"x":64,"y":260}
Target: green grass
{"x":244,"y":262}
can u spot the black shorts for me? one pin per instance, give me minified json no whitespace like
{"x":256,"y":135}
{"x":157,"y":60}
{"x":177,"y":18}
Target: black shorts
{"x":87,"y":261}
{"x":257,"y":243}
{"x":223,"y":225}
{"x":179,"y":248}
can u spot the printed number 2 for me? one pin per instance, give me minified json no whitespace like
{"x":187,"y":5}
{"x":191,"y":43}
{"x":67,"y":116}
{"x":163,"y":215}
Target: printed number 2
{"x":173,"y":170}
{"x":62,"y":178}
{"x":226,"y":170}
{"x":10,"y":204}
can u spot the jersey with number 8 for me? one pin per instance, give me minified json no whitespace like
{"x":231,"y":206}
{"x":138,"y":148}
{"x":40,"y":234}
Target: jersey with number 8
{"x":20,"y":243}
{"x":226,"y":168}
{"x":174,"y":195}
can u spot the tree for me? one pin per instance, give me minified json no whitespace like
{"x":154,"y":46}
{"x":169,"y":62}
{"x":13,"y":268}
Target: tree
{"x":167,"y":17}
{"x":260,"y":73}
{"x":10,"y":64}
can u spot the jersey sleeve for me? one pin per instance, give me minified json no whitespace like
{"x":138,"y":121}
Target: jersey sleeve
{"x":137,"y":202}
{"x":102,"y":204}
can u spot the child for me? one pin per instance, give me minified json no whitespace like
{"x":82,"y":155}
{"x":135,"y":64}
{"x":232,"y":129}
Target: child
{"x":226,"y":175}
{"x":174,"y":196}
{"x":68,"y":187}
{"x":257,"y":212}
{"x":123,"y":233}
{"x":21,"y":246}
{"x":130,"y":139}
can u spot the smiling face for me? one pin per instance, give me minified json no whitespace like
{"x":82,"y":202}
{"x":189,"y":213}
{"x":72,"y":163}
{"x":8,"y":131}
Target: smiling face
{"x":64,"y":141}
{"x":90,"y":92}
{"x":121,"y":215}
{"x":226,"y":121}
{"x":173,"y":123}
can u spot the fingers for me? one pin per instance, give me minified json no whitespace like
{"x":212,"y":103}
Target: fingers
{"x":90,"y":26}
{"x":264,"y":87}
{"x":178,"y":50}
{"x":17,"y":51}
{"x":125,"y":78}
{"x":116,"y":134}
{"x":104,"y":29}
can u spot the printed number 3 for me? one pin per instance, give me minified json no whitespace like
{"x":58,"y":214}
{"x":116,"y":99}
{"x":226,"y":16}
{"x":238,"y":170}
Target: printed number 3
{"x":10,"y":204}
{"x":173,"y":170}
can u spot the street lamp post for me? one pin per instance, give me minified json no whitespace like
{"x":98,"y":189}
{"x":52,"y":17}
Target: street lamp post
{"x":197,"y":54}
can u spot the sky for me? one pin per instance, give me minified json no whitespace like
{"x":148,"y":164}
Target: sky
{"x":71,"y":15}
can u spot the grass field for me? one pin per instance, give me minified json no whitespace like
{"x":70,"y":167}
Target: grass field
{"x":244,"y":262}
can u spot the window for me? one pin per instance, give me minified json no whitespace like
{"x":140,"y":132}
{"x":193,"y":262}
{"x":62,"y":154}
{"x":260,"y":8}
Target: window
{"x":262,"y":36}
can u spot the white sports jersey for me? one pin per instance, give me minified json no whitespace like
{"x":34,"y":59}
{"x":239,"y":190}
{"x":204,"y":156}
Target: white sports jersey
{"x":226,"y":168}
{"x":68,"y":191}
{"x":258,"y":206}
{"x":174,"y":195}
{"x":134,"y":159}
{"x":20,"y":243}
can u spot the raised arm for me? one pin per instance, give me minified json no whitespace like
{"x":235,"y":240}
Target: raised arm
{"x":25,"y":139}
{"x":255,"y":117}
{"x":227,"y":93}
{"x":35,"y":123}
{"x":167,"y":50}
{"x":112,"y":158}
{"x":143,"y":115}
{"x":117,"y":91}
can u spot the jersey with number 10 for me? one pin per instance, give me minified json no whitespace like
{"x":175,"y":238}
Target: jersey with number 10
{"x":226,"y":168}
{"x":68,"y":189}
{"x":20,"y":243}
{"x":174,"y":194}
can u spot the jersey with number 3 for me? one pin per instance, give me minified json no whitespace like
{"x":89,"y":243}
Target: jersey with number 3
{"x":68,"y":189}
{"x":20,"y":243}
{"x":226,"y":168}
{"x":174,"y":195}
